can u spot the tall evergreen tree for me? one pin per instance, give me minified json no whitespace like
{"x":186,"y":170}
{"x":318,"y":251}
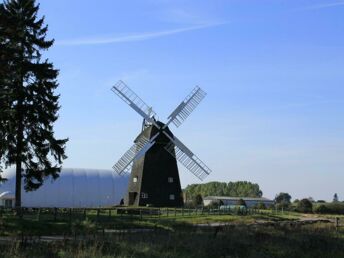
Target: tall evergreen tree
{"x":28,"y":102}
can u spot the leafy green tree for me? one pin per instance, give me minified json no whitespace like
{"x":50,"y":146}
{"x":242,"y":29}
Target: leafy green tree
{"x":233,"y":189}
{"x":321,"y":209}
{"x":261,"y":206}
{"x":29,"y":104}
{"x":335,"y":198}
{"x":282,"y":200}
{"x":305,"y":205}
{"x":198,"y":200}
{"x":241,"y":202}
{"x":330,"y":208}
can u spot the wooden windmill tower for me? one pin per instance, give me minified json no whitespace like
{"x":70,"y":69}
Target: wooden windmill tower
{"x":152,"y":160}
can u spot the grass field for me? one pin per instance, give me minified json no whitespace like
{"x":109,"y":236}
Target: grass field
{"x":172,"y":236}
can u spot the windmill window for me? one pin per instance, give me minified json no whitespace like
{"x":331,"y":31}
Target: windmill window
{"x":144,"y":195}
{"x":171,"y":196}
{"x":135,"y":179}
{"x":170,"y":179}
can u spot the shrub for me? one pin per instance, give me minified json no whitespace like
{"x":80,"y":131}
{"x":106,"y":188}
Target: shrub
{"x":261,"y":206}
{"x":282,"y":200}
{"x":305,"y":205}
{"x":241,"y":202}
{"x":198,"y":200}
{"x":214,"y":204}
{"x":321,"y":209}
{"x":330,"y":208}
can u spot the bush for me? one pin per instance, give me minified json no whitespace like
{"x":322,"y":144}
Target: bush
{"x":305,"y":206}
{"x":282,"y":200}
{"x":321,"y":209}
{"x":198,"y":200}
{"x":330,"y":208}
{"x":241,"y":202}
{"x":214,"y":204}
{"x":261,"y":206}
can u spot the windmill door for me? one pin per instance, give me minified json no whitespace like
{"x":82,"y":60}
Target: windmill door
{"x":132,"y":197}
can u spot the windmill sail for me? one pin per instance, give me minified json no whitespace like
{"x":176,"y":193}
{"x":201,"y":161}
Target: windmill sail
{"x":185,"y":156}
{"x":142,"y":145}
{"x":134,"y":101}
{"x":179,"y":115}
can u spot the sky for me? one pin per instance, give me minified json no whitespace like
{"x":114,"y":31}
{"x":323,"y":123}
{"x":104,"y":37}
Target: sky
{"x":272,"y":70}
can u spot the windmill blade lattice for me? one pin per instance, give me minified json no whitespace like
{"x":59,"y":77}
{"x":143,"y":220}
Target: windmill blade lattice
{"x":185,"y":156}
{"x":124,"y":164}
{"x":179,"y":115}
{"x":134,"y":101}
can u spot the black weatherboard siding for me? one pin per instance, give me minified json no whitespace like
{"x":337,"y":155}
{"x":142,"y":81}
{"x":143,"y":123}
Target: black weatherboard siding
{"x":154,"y":177}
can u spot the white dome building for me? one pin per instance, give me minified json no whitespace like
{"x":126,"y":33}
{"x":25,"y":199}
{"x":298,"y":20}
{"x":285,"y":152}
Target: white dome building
{"x":75,"y":188}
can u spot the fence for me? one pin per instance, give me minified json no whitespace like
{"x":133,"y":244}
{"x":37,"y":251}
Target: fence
{"x":105,"y":214}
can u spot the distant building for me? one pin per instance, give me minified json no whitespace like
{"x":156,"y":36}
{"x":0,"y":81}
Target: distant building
{"x":75,"y":188}
{"x":226,"y":200}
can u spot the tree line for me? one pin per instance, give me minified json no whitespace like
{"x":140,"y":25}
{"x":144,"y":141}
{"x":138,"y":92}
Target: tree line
{"x":233,"y":189}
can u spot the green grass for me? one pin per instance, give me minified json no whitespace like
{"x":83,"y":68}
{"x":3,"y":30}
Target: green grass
{"x":172,"y":236}
{"x":241,"y":240}
{"x":46,"y":224}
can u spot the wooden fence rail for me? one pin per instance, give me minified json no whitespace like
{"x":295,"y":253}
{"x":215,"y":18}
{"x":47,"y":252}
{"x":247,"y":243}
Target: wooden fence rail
{"x":99,"y":214}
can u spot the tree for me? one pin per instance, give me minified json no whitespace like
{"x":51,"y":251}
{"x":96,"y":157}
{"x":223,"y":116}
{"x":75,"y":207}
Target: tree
{"x":282,"y":200}
{"x":198,"y":200}
{"x":335,"y":198}
{"x":29,"y":104}
{"x":305,"y":205}
{"x":261,"y":206}
{"x":233,"y":189}
{"x":241,"y":202}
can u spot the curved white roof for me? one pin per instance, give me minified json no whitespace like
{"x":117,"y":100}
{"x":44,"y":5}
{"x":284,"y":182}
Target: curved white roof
{"x":74,"y":188}
{"x":6,"y":195}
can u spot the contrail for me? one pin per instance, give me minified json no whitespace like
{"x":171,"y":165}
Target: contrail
{"x":132,"y":37}
{"x":322,"y":6}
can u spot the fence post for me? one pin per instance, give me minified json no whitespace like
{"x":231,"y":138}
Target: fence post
{"x":38,"y":215}
{"x":55,"y":214}
{"x":175,"y":212}
{"x":140,"y":213}
{"x":182,"y":211}
{"x":166,"y":212}
{"x":70,"y":215}
{"x":336,"y":222}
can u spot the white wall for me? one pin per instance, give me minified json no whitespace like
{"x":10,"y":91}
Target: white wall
{"x":74,"y":188}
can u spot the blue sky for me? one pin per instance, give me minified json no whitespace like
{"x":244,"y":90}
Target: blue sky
{"x":273,"y":71}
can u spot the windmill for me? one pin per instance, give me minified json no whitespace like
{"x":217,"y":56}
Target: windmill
{"x":152,"y":160}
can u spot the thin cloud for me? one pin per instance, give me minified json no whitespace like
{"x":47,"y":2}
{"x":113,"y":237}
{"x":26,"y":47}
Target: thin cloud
{"x":322,"y":6}
{"x":132,"y":37}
